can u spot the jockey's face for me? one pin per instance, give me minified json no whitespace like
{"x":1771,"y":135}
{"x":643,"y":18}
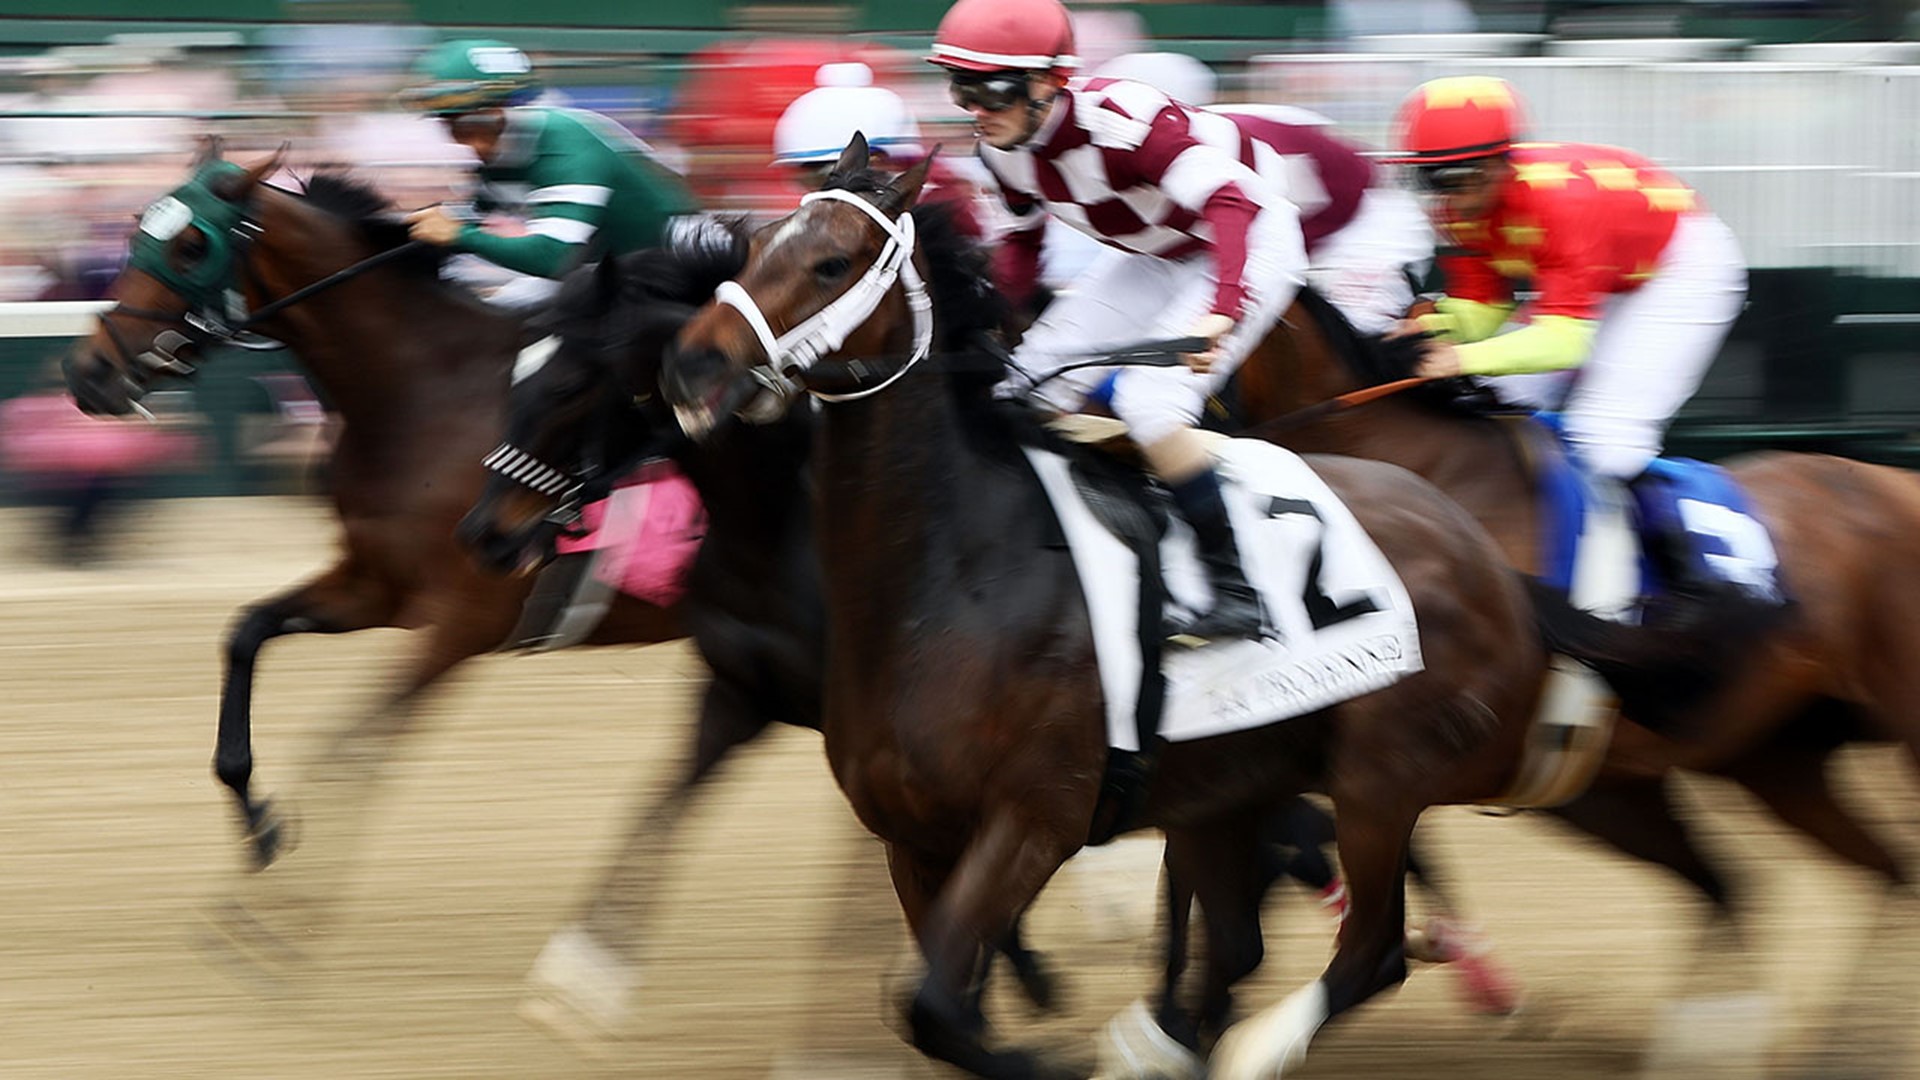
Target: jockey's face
{"x":1007,"y":107}
{"x":1461,"y":192}
{"x":478,"y":131}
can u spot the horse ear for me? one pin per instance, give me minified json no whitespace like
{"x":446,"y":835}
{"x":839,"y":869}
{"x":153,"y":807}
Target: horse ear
{"x":854,"y":158}
{"x":210,"y":148}
{"x":607,"y":282}
{"x":906,"y":187}
{"x":235,"y":187}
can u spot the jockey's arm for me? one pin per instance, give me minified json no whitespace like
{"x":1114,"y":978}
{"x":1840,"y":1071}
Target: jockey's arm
{"x":1203,"y":179}
{"x":560,"y":229}
{"x":1016,"y":258}
{"x":1559,"y":332}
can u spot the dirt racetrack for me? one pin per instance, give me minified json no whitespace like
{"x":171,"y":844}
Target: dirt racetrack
{"x":778,"y":928}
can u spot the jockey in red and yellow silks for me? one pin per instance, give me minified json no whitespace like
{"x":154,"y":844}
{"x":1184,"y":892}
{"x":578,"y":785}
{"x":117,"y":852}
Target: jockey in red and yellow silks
{"x":1636,"y":283}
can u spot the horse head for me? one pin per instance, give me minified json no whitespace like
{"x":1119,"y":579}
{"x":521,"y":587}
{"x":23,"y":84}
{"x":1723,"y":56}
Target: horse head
{"x":821,"y":281}
{"x":185,"y":269}
{"x":584,"y":403}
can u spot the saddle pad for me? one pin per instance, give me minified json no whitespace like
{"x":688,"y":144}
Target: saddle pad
{"x":648,"y":532}
{"x":1341,"y":621}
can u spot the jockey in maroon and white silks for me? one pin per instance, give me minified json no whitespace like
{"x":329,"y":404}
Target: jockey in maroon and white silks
{"x":1226,"y":192}
{"x":1213,"y":220}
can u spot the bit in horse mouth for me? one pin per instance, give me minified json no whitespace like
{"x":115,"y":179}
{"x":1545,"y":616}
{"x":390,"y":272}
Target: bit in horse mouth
{"x":697,"y":421}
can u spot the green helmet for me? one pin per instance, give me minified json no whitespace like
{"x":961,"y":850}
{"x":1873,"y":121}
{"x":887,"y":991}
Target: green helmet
{"x":460,"y":76}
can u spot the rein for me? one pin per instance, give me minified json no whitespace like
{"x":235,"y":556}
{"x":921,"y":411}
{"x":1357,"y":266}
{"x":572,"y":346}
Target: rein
{"x":1321,"y":409}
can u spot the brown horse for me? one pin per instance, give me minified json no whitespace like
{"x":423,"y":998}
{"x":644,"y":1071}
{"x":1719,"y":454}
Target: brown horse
{"x":963,"y":712}
{"x":418,"y":373}
{"x":1843,"y":664}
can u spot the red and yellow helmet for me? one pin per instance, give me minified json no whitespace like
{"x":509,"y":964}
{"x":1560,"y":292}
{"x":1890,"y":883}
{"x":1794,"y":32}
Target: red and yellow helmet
{"x":1005,"y":35}
{"x":1457,"y":118}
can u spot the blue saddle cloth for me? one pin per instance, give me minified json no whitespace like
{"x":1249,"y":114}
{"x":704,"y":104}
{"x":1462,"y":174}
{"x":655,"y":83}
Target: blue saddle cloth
{"x":1673,"y":498}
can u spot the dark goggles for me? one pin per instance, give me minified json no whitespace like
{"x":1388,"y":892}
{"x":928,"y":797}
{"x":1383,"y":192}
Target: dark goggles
{"x":1447,"y":179}
{"x":993,"y":92}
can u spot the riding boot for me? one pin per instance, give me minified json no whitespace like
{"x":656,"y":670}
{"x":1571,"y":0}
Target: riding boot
{"x":1236,"y":606}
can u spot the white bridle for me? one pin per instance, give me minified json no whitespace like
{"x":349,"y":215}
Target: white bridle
{"x":827,"y":329}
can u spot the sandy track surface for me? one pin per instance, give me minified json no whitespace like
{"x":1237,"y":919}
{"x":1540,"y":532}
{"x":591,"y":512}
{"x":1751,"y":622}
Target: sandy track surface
{"x":777,"y":929}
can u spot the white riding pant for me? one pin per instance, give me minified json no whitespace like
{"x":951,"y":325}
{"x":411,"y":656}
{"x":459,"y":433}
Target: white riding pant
{"x":508,"y":290}
{"x":1362,"y":269}
{"x":1653,"y":347}
{"x":1125,"y":298}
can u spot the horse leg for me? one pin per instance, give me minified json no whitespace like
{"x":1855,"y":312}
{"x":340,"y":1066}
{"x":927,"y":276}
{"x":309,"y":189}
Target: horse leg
{"x":1222,"y":866}
{"x":1636,"y":817}
{"x":336,"y":790}
{"x":998,"y":876}
{"x":1793,"y":782}
{"x":581,"y":984}
{"x":339,"y":601}
{"x":1373,"y":835}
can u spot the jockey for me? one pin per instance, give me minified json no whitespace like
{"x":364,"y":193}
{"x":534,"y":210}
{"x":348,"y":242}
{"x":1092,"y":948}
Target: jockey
{"x":821,"y":122}
{"x":585,"y":186}
{"x":1637,"y":284}
{"x":1213,"y":220}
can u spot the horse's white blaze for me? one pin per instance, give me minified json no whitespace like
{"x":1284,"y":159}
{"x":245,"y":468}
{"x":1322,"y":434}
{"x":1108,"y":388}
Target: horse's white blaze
{"x":795,"y":226}
{"x":534,"y":357}
{"x":1266,"y":1045}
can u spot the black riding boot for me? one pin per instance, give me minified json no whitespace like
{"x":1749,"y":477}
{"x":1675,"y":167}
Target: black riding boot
{"x":1236,"y":606}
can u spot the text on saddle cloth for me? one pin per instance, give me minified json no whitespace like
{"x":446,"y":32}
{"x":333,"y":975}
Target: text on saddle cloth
{"x":1341,"y":623}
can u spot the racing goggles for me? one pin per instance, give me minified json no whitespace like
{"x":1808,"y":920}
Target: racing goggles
{"x":994,"y":91}
{"x":1448,"y":179}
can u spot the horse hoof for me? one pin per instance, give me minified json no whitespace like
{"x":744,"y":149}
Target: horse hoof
{"x":1133,"y":1046}
{"x":1273,"y":1041}
{"x":272,"y":835}
{"x":579,"y":991}
{"x":1040,"y":984}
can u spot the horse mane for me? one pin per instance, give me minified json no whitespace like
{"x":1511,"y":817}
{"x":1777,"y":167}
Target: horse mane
{"x":356,"y":202}
{"x":689,"y":267}
{"x":1375,"y":360}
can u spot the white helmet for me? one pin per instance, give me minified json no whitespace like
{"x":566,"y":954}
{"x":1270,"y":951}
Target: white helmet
{"x":1177,"y":75}
{"x":821,"y":122}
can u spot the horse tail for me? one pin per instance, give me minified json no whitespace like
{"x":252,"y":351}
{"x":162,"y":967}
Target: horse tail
{"x":1663,"y":668}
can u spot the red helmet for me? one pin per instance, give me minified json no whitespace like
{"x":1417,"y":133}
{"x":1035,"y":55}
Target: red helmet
{"x":1005,"y":35}
{"x":1457,"y":118}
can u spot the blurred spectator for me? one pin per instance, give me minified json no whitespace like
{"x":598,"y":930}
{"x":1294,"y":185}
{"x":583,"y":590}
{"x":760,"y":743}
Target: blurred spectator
{"x":80,"y":467}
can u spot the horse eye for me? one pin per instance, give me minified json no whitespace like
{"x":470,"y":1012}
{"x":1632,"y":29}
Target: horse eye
{"x":832,"y":270}
{"x":192,"y":247}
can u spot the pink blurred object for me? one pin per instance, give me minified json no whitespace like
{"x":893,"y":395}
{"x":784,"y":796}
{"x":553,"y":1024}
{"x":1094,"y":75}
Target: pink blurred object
{"x":45,"y":436}
{"x":650,"y":528}
{"x":1484,"y":983}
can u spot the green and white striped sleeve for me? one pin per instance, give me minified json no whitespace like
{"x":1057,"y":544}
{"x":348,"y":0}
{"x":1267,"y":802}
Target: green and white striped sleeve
{"x":563,"y":220}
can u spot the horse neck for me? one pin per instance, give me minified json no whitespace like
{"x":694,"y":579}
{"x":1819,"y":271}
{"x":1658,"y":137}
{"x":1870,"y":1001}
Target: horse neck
{"x":903,"y":505}
{"x":750,"y":483}
{"x":379,"y":347}
{"x":1474,"y":460}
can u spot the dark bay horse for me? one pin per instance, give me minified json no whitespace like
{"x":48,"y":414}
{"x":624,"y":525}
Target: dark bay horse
{"x":417,"y":371}
{"x":963,"y":714}
{"x":753,"y":604}
{"x":1843,"y":665}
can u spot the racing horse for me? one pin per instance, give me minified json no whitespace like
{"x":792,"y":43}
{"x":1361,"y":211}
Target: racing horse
{"x":417,"y":371}
{"x":1842,"y":663}
{"x":963,"y":714}
{"x":752,"y":606}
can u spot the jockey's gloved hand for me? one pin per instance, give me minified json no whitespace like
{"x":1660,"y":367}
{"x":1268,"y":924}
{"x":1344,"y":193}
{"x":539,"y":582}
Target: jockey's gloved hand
{"x":1212,"y":326}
